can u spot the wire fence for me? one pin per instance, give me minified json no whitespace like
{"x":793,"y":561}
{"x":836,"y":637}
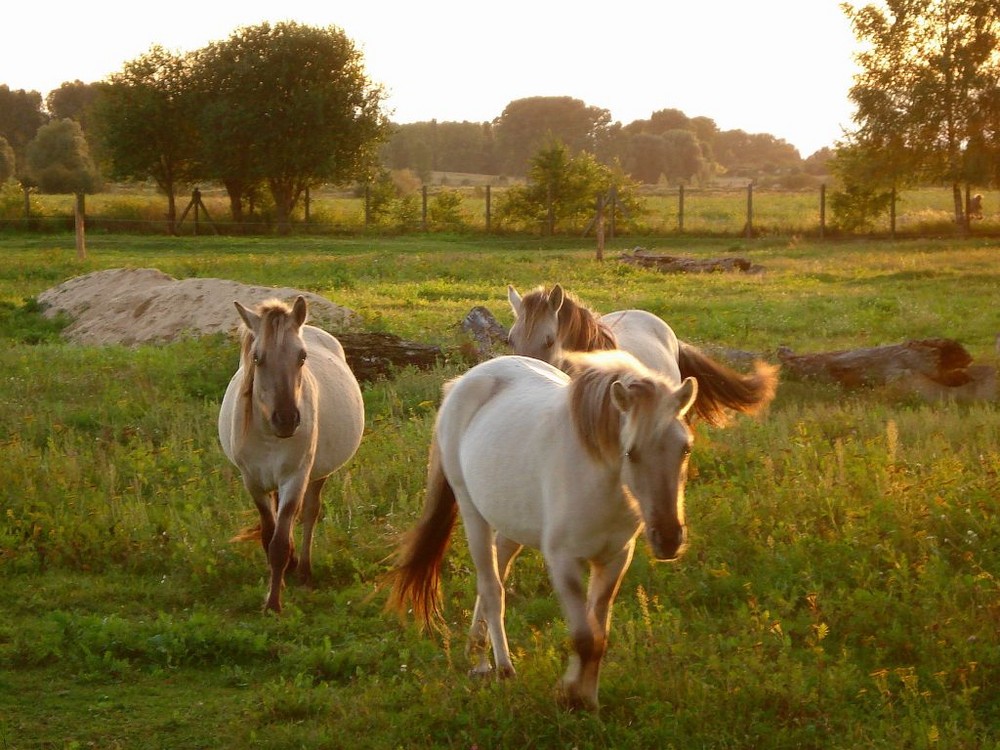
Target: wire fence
{"x":734,"y":212}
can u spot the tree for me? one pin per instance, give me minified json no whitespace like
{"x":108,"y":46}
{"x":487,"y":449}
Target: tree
{"x":59,"y":162}
{"x":563,"y":189}
{"x":291,"y":105}
{"x":74,"y":101}
{"x":7,"y":163}
{"x":928,"y":76}
{"x":21,"y":116}
{"x":527,"y":125}
{"x":145,"y":121}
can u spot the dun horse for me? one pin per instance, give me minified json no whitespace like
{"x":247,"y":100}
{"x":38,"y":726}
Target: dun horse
{"x":291,"y":416}
{"x":551,"y":322}
{"x":573,"y":467}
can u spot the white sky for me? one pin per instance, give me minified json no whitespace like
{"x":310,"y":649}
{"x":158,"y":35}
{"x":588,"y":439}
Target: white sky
{"x":782,"y":67}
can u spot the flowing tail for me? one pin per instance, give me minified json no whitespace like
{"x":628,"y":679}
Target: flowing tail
{"x":416,"y":577}
{"x":721,"y":388}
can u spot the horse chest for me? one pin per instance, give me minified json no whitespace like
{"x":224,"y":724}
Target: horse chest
{"x":270,"y":461}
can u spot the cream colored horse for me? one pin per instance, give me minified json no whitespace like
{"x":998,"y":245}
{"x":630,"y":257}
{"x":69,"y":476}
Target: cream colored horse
{"x":575,"y":468}
{"x":549,"y":322}
{"x":291,"y":416}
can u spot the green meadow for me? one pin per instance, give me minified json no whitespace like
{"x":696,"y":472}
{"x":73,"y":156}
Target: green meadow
{"x":840,"y":589}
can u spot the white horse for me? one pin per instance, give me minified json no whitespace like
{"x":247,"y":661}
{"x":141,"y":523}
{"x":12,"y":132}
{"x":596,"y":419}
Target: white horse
{"x":291,"y":416}
{"x":549,"y":322}
{"x":573,"y":467}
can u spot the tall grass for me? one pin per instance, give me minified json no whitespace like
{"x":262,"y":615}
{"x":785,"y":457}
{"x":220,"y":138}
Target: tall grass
{"x":840,"y":589}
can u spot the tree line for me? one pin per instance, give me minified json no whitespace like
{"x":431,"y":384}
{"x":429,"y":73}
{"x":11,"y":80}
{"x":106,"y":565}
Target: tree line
{"x":274,"y":110}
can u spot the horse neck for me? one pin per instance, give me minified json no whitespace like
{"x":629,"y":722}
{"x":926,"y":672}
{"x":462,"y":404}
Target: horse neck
{"x":581,"y":331}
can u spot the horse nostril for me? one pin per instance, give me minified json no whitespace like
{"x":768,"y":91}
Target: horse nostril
{"x":286,"y":420}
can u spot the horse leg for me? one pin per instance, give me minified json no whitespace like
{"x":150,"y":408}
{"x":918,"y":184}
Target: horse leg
{"x":605,"y":581}
{"x":489,"y":607}
{"x":265,"y":503}
{"x":311,"y":506}
{"x":479,"y":637}
{"x":281,"y":550}
{"x":588,"y":641}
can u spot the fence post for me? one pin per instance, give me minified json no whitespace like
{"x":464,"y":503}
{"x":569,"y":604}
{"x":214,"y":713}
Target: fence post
{"x":550,"y":222}
{"x":423,"y":208}
{"x":822,"y":211}
{"x":680,"y":209}
{"x":79,"y":211}
{"x":749,"y":231}
{"x":892,"y":213}
{"x":196,"y":202}
{"x":487,"y":209}
{"x":600,"y":226}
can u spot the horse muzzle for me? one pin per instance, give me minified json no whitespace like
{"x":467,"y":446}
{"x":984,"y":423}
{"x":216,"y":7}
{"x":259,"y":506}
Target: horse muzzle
{"x":285,"y":422}
{"x":668,"y":541}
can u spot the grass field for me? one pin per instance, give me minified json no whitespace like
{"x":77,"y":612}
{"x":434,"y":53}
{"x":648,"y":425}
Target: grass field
{"x":840,"y":589}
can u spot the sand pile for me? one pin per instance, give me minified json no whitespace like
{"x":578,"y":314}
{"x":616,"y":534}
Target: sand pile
{"x":143,"y":305}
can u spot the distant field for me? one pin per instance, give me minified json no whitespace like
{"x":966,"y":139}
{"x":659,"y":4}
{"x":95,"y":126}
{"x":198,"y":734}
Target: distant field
{"x":706,"y":211}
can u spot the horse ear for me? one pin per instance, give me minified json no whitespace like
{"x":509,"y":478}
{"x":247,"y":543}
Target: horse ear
{"x":250,"y":319}
{"x":299,"y":310}
{"x":686,"y":395}
{"x":556,"y":298}
{"x":620,"y":396}
{"x":514,"y":298}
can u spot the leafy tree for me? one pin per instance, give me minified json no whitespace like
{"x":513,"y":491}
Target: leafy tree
{"x":6,"y":161}
{"x":527,"y":125}
{"x":288,"y":104}
{"x":58,"y":161}
{"x":441,"y":146}
{"x":752,"y":154}
{"x":563,"y":189}
{"x":145,"y":120}
{"x":21,"y":116}
{"x":74,"y":101}
{"x":927,"y":84}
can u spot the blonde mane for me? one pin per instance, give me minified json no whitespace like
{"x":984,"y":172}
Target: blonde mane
{"x":579,"y":327}
{"x":273,"y":313}
{"x":597,"y":420}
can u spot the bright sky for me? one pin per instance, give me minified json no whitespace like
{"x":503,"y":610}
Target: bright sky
{"x":782,"y":67}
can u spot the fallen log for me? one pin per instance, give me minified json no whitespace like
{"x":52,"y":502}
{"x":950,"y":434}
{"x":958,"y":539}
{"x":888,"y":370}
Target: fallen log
{"x":677,"y":264}
{"x":372,"y":356}
{"x":930,"y":368}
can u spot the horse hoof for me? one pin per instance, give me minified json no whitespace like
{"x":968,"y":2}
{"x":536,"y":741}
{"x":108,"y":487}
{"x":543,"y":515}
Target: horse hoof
{"x":571,"y":700}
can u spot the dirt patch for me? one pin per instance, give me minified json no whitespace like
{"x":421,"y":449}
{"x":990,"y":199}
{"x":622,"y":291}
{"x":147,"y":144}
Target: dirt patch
{"x":143,"y":305}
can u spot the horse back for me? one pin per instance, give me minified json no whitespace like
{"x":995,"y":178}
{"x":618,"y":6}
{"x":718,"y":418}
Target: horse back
{"x":646,"y":337}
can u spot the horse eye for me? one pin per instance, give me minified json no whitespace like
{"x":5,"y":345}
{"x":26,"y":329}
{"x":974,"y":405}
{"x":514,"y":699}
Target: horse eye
{"x":549,"y":341}
{"x":632,"y":455}
{"x":256,"y":359}
{"x":302,"y":359}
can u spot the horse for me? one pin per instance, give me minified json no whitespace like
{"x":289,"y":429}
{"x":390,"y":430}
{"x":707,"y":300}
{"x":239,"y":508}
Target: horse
{"x":291,"y":416}
{"x":573,"y":466}
{"x":550,"y":322}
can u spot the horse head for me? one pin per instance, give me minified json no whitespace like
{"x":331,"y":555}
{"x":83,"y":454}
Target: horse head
{"x":655,"y":444}
{"x":535,"y":332}
{"x":274,"y":357}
